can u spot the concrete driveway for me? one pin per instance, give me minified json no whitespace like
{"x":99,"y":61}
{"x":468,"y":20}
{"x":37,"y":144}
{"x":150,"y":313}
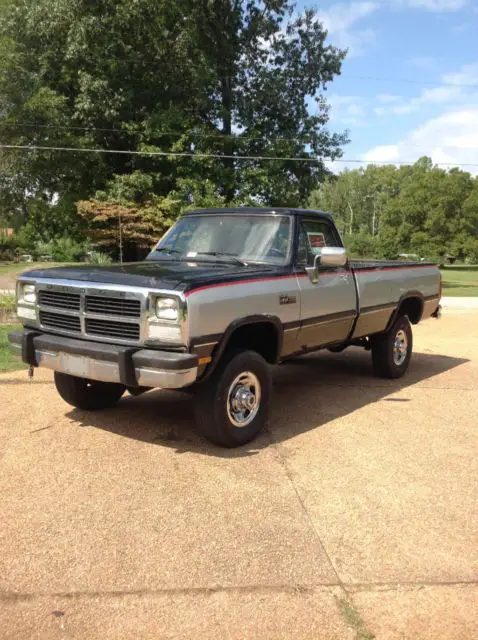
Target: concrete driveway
{"x":354,"y":516}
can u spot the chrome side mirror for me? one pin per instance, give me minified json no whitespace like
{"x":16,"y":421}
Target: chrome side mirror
{"x":328,"y":257}
{"x":333,"y":257}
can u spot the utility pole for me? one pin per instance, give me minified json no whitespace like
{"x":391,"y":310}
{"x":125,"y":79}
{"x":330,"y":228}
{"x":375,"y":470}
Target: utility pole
{"x":373,"y":197}
{"x":120,"y":238}
{"x":351,"y":218}
{"x":374,"y":215}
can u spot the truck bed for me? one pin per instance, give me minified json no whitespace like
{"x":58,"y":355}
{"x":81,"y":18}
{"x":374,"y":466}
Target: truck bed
{"x":387,"y":264}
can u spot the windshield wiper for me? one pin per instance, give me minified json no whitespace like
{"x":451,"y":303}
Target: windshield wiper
{"x":166,"y":250}
{"x":220,"y":254}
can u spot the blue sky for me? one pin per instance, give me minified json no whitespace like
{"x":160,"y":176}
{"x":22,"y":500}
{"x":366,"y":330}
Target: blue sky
{"x":418,"y":55}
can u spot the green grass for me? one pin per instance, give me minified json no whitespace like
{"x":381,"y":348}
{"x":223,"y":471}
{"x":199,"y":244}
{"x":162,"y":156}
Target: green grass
{"x":460,"y":280}
{"x":8,"y":362}
{"x":353,"y":619}
{"x":16,"y":268}
{"x":7,"y":301}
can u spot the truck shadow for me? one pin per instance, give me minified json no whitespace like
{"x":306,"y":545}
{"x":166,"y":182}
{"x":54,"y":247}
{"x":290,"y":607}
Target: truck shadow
{"x":309,"y":392}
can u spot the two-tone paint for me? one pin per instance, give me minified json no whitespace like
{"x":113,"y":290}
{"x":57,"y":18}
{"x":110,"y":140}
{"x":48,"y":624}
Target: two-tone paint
{"x":345,"y":304}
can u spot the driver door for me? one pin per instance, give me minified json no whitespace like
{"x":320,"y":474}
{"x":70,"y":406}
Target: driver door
{"x":328,"y":308}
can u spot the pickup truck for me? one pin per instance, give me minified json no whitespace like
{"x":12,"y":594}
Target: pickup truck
{"x":223,"y":295}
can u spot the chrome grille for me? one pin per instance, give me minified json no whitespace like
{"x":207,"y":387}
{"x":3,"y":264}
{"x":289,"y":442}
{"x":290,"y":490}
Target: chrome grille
{"x":60,"y":321}
{"x":111,"y":329}
{"x":59,"y":300}
{"x":92,"y":312}
{"x":107,"y":306}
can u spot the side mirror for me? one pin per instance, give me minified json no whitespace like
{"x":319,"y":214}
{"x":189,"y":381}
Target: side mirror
{"x":313,"y":272}
{"x":333,"y":257}
{"x":328,"y":257}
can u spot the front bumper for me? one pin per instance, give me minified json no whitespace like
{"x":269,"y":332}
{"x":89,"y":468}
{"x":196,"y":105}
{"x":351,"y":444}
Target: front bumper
{"x":131,"y":366}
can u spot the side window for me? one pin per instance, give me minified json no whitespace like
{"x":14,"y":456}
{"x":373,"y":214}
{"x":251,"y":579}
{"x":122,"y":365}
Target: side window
{"x":313,"y":235}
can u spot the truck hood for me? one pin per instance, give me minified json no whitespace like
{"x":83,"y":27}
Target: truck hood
{"x":159,"y":274}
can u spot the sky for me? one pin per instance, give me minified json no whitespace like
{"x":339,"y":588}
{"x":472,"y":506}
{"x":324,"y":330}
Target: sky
{"x":409,"y":84}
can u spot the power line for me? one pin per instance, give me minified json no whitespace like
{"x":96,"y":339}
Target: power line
{"x":176,"y":154}
{"x":410,"y":81}
{"x":59,"y":127}
{"x":191,"y":134}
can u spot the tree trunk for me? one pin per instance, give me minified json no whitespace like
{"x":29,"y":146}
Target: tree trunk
{"x":351,"y":218}
{"x":228,"y":146}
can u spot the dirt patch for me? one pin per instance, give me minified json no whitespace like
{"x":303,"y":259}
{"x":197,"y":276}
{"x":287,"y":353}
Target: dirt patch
{"x":8,"y":316}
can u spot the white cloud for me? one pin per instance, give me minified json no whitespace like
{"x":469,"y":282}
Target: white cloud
{"x":383,"y":153}
{"x":436,"y":5}
{"x":460,"y":28}
{"x":457,"y":88}
{"x":397,"y":110}
{"x":452,"y":138}
{"x":342,"y":16}
{"x":467,"y":76}
{"x":347,"y":110}
{"x":340,"y":19}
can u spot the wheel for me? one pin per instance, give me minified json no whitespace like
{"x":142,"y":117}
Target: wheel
{"x":392,"y":351}
{"x":232,"y":406}
{"x":89,"y":395}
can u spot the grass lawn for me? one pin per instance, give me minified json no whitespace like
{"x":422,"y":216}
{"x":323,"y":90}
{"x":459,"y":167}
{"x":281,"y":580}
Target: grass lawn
{"x":460,"y":281}
{"x":16,"y":268}
{"x":7,"y":301}
{"x":9,"y":272}
{"x":8,"y":362}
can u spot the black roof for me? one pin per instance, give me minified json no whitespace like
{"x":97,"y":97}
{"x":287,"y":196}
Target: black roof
{"x":259,"y":210}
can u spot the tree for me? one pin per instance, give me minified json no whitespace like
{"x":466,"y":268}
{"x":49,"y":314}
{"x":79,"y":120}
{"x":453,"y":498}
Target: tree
{"x":215,"y":77}
{"x":420,"y":209}
{"x":128,"y":218}
{"x":268,"y":64}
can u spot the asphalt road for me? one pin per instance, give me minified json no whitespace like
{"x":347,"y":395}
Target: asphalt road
{"x":356,"y":512}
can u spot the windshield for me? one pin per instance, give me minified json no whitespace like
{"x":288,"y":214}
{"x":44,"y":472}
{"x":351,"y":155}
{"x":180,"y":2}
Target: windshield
{"x":245,"y":238}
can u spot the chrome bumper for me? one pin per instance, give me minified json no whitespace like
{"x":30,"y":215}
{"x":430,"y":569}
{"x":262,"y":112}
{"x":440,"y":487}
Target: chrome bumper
{"x":106,"y":363}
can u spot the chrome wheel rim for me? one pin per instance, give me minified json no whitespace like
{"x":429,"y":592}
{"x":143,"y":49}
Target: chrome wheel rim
{"x":400,"y":348}
{"x":243,"y":399}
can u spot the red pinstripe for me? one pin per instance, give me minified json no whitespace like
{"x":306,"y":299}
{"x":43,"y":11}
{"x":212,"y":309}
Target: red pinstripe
{"x":358,"y":272}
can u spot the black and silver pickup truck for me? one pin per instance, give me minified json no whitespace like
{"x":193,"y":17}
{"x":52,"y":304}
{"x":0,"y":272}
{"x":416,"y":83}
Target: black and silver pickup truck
{"x":224,"y":294}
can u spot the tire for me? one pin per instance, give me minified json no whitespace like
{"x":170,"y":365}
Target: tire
{"x":88,"y":395}
{"x":392,"y":351}
{"x":238,"y":380}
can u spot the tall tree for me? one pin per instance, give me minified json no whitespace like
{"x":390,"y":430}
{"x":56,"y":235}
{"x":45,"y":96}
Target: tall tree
{"x":216,"y":77}
{"x":420,"y":209}
{"x":270,"y":67}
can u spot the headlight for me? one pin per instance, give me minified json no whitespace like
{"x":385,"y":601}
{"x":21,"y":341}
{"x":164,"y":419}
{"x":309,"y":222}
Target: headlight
{"x":28,"y":294}
{"x":167,"y":309}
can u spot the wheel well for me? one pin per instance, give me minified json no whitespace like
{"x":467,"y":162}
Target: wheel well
{"x":262,"y":337}
{"x":413,"y":308}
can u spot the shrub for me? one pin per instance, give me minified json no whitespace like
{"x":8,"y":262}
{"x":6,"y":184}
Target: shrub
{"x":471,"y":251}
{"x":360,"y":245}
{"x":62,"y":249}
{"x":9,"y":247}
{"x":96,"y":257}
{"x":67,"y":250}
